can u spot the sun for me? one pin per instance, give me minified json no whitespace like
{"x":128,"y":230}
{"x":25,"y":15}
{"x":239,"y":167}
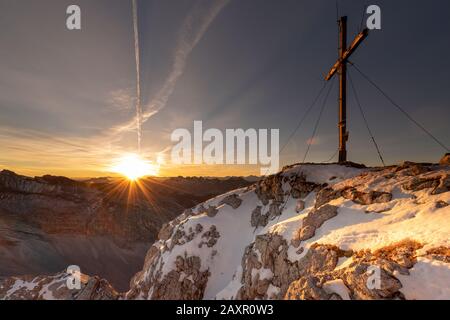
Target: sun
{"x":134,"y":167}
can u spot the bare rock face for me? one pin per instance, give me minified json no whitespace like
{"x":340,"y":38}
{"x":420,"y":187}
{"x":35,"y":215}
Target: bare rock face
{"x":232,"y":200}
{"x":300,"y":188}
{"x":270,"y":188}
{"x":440,"y":253}
{"x":186,"y":282}
{"x":211,"y":211}
{"x":307,"y":288}
{"x":182,"y":236}
{"x":104,"y":225}
{"x":445,"y":160}
{"x":55,"y":288}
{"x":357,"y":280}
{"x":325,"y":195}
{"x":288,"y":258}
{"x":356,"y":276}
{"x":258,"y":219}
{"x":441,"y":204}
{"x":366,"y":198}
{"x":211,"y":236}
{"x":299,"y":206}
{"x":272,"y":250}
{"x":183,"y":278}
{"x":165,"y":232}
{"x":284,"y":260}
{"x":439,"y":184}
{"x":411,"y":168}
{"x":312,"y":221}
{"x":275,"y":209}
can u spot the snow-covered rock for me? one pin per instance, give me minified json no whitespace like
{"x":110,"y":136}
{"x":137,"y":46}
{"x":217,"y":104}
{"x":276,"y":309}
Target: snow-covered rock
{"x":310,"y":232}
{"x":55,"y":288}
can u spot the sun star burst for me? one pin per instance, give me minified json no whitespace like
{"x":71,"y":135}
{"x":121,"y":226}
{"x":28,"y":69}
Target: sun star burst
{"x":134,"y":167}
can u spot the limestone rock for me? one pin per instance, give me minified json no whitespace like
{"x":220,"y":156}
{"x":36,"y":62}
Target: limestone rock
{"x":300,"y":205}
{"x":314,"y":220}
{"x":325,"y":195}
{"x":366,"y":198}
{"x":257,"y":218}
{"x":443,"y":186}
{"x":186,"y":282}
{"x":441,"y":204}
{"x":306,"y":288}
{"x":439,"y":183}
{"x":270,"y":188}
{"x":55,"y":288}
{"x":211,"y":211}
{"x":165,"y":232}
{"x":445,"y":160}
{"x":300,"y":188}
{"x":211,"y":236}
{"x":232,"y":200}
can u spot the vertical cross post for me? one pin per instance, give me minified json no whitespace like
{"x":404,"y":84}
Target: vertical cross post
{"x":340,"y":67}
{"x":342,"y":125}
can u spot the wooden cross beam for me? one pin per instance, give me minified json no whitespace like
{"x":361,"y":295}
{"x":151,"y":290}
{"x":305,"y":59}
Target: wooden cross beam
{"x":340,"y":67}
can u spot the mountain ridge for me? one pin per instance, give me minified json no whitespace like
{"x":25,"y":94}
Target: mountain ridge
{"x":312,"y":231}
{"x":50,"y":222}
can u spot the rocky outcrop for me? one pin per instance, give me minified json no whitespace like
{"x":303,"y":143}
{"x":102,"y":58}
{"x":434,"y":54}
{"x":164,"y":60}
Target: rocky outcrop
{"x":325,"y":195}
{"x":185,"y":282}
{"x":439,"y":183}
{"x":305,"y":278}
{"x":258,"y":219}
{"x":269,"y":253}
{"x":232,"y":200}
{"x":366,"y":198}
{"x":445,"y":160}
{"x":55,"y":288}
{"x":293,"y":252}
{"x":270,"y":188}
{"x":300,"y":187}
{"x":312,"y":221}
{"x":310,"y":232}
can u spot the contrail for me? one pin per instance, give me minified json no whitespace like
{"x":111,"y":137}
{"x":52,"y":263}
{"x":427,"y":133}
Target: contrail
{"x":138,"y":78}
{"x":193,"y":29}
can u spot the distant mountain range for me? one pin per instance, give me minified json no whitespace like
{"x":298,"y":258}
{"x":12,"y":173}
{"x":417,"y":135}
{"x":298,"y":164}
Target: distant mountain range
{"x":103,"y":225}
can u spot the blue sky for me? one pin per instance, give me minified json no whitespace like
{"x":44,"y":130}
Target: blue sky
{"x":66,"y":97}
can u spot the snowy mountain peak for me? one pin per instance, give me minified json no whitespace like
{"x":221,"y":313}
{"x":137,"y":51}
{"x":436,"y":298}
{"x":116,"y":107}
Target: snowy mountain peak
{"x":309,"y":232}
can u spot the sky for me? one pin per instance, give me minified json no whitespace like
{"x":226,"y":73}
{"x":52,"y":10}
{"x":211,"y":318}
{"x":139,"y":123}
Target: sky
{"x":67,"y":98}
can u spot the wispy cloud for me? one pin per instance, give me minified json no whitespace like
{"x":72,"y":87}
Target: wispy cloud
{"x":122,"y":99}
{"x":193,"y":29}
{"x":33,"y":152}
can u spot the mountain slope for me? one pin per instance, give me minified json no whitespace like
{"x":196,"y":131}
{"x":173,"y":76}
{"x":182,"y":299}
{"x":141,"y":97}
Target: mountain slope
{"x":310,"y":232}
{"x":103,"y":225}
